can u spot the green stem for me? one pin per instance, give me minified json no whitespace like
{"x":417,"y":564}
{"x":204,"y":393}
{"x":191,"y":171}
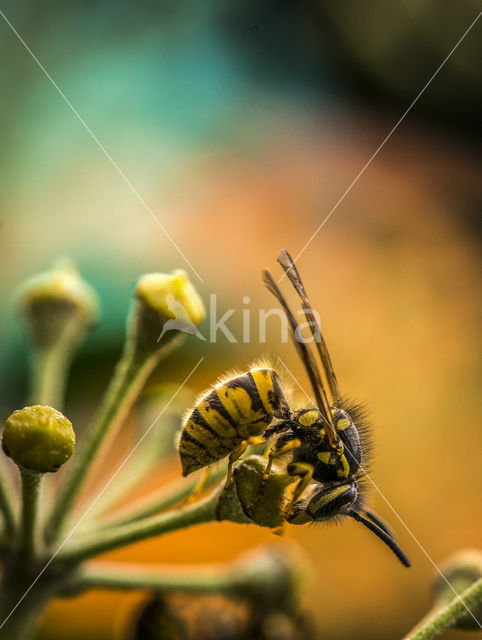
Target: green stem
{"x":162,"y":499}
{"x":205,"y":579}
{"x":20,"y":611}
{"x":6,"y":507}
{"x":48,"y":375}
{"x":225,"y":579}
{"x":31,"y":488}
{"x":129,"y":378}
{"x":143,"y":462}
{"x":50,"y":362}
{"x":270,"y":575}
{"x":445,"y":617}
{"x":109,"y":539}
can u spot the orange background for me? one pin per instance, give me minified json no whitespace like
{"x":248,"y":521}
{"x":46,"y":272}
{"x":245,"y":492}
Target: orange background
{"x":393,"y":275}
{"x":237,"y":161}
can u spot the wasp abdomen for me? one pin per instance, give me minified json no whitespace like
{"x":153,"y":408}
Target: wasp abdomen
{"x":229,"y":413}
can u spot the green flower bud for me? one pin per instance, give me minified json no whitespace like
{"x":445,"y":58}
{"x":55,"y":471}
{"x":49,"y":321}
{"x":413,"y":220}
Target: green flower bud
{"x":168,"y":307}
{"x":461,"y":570}
{"x":274,"y":576}
{"x":56,"y":301}
{"x":230,"y":507}
{"x":38,"y":438}
{"x":263,"y":506}
{"x":258,"y":596}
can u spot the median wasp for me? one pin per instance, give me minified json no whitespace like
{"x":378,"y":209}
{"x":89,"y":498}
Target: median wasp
{"x":327,"y":444}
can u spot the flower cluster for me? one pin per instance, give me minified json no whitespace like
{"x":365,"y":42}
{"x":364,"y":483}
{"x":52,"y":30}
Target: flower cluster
{"x":51,"y":556}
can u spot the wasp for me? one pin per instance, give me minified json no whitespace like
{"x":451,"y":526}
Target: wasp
{"x":229,"y":417}
{"x":328,"y":444}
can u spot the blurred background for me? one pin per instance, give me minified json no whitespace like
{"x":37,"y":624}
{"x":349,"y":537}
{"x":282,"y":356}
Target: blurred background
{"x":241,"y":124}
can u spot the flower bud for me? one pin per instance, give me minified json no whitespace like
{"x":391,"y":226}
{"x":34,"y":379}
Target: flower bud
{"x":272,"y":575}
{"x":167,"y":307}
{"x":230,"y":507}
{"x":56,"y":301}
{"x":263,"y":505}
{"x":461,"y":571}
{"x":258,"y":596}
{"x":38,"y":438}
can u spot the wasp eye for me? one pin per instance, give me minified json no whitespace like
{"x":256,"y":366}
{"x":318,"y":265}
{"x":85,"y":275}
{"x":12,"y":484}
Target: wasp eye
{"x":343,"y":423}
{"x":309,"y":417}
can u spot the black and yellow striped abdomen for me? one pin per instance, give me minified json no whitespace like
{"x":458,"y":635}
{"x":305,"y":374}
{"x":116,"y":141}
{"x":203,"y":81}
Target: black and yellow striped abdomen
{"x":231,"y":412}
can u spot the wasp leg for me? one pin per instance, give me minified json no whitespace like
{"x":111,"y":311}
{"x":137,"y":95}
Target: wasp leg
{"x":198,"y":489}
{"x":304,"y":471}
{"x":272,"y":454}
{"x":253,"y":440}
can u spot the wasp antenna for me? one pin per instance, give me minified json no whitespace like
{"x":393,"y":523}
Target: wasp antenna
{"x":379,"y":522}
{"x":384,"y":537}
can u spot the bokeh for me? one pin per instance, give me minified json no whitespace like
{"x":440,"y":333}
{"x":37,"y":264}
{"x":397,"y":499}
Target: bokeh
{"x":241,"y":125}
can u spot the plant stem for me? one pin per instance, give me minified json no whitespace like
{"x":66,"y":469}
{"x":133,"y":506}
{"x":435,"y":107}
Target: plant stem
{"x":48,"y":369}
{"x":268,"y":574}
{"x":31,"y":488}
{"x":156,"y":446}
{"x":445,"y":617}
{"x":20,"y":613}
{"x":162,"y":499}
{"x":129,"y":377}
{"x":46,"y":386}
{"x":106,"y":575}
{"x":109,"y":539}
{"x":144,"y":461}
{"x":22,"y":624}
{"x":6,"y":507}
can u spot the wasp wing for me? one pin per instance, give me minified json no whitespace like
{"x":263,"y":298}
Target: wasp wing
{"x":291,"y":271}
{"x":306,"y":357}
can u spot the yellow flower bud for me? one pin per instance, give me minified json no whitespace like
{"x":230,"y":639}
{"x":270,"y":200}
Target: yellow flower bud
{"x":171,"y":296}
{"x":167,"y":307}
{"x":38,"y":438}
